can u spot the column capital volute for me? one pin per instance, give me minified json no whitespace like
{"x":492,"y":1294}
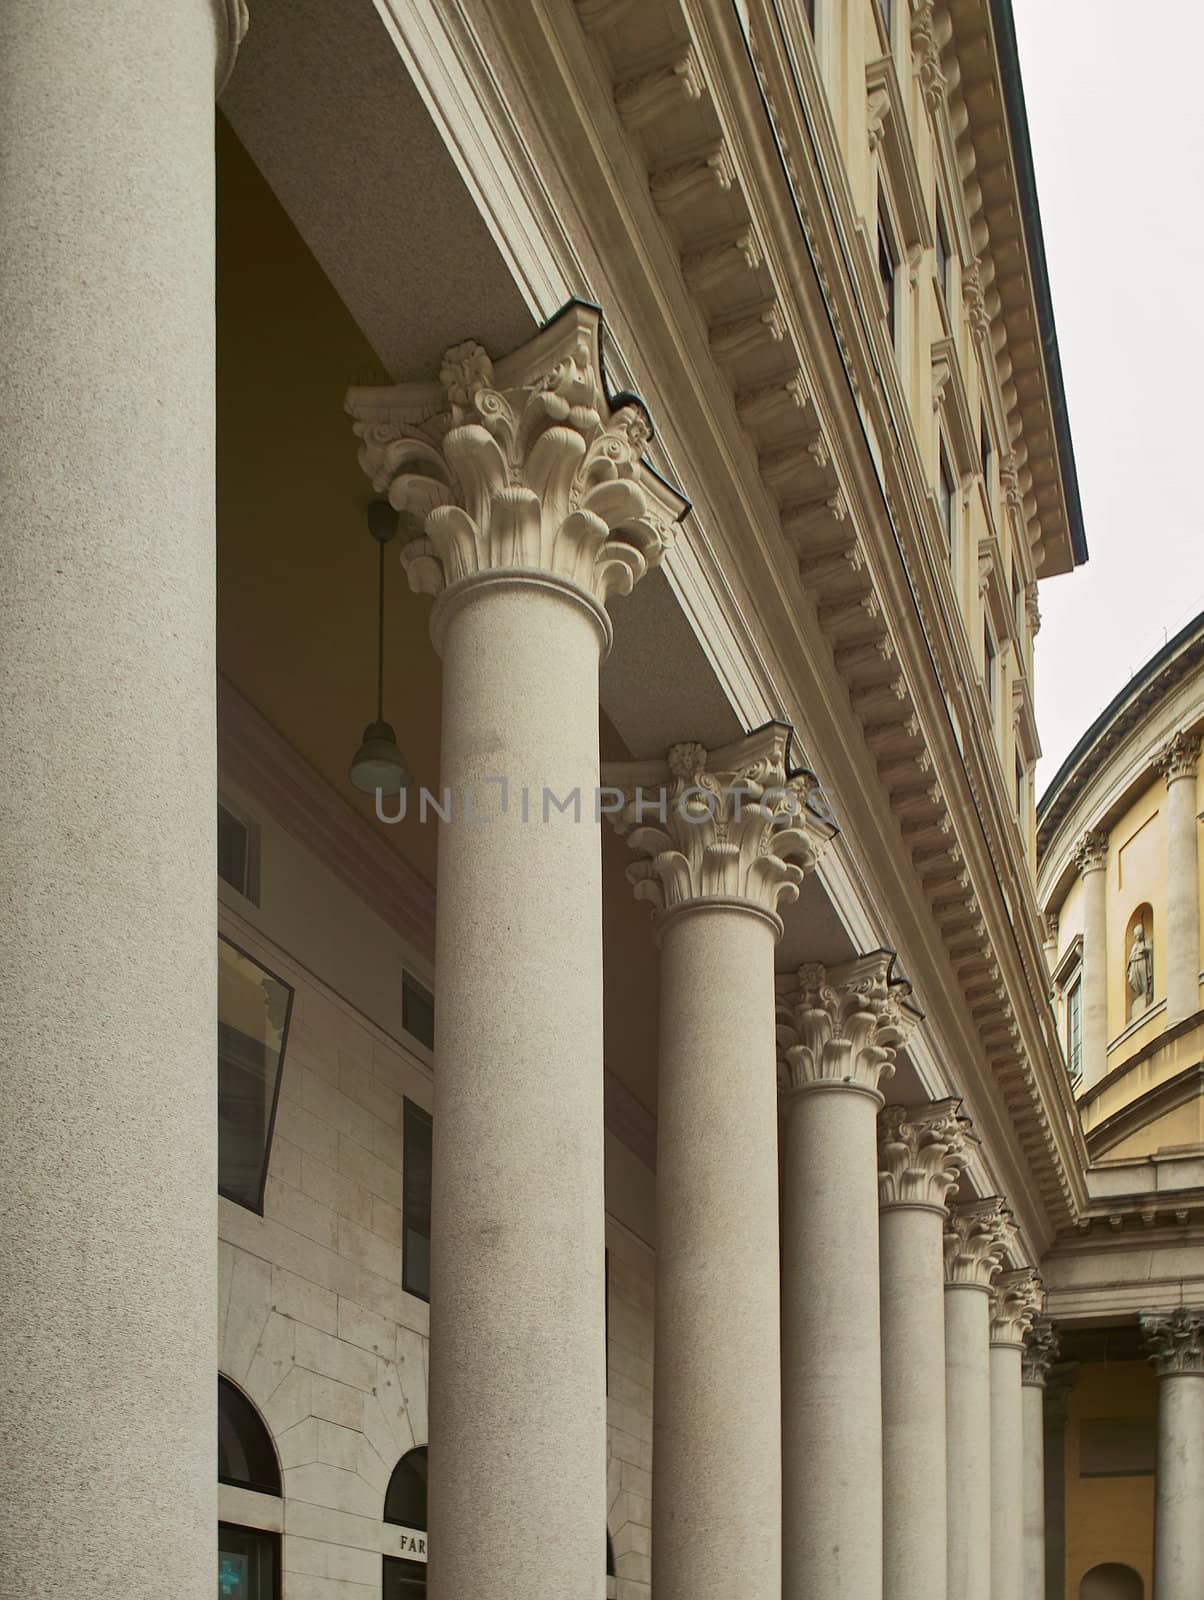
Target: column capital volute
{"x":1041,"y":1351}
{"x":527,"y":468}
{"x":922,"y":1152}
{"x":734,"y":827}
{"x":1179,"y":757}
{"x":1175,"y":1340}
{"x":230,"y":19}
{"x":1016,"y":1298}
{"x":1091,"y":854}
{"x":839,"y":1027}
{"x":977,"y":1235}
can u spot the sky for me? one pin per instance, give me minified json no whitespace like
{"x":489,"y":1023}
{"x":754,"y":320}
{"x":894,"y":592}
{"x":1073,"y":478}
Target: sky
{"x":1117,"y":125}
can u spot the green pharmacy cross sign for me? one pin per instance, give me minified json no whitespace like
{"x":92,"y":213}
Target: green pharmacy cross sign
{"x":231,"y":1576}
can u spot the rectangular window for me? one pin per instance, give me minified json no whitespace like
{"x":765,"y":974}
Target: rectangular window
{"x":884,"y":10}
{"x":253,"y":1010}
{"x":809,"y":13}
{"x":403,"y":1580}
{"x":416,"y":1201}
{"x":988,"y":668}
{"x":887,"y":263}
{"x":1019,"y":788}
{"x":417,"y":1010}
{"x":248,"y":1563}
{"x":984,"y":455}
{"x":1017,"y":600}
{"x":942,"y":252}
{"x":238,"y":853}
{"x":944,"y":499}
{"x":1074,"y":1028}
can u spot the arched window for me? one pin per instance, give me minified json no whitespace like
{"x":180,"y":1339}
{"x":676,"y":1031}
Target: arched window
{"x":1111,"y":1582}
{"x":1139,"y":962}
{"x":248,"y":1534}
{"x":404,"y":1575}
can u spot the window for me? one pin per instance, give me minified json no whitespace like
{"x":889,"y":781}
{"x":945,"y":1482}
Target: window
{"x":416,"y":1201}
{"x":246,"y":1457}
{"x":1019,"y":787}
{"x":984,"y":456}
{"x":988,"y":667}
{"x":941,"y":247}
{"x":417,"y":1010}
{"x":809,"y":13}
{"x":248,"y":1563}
{"x":884,"y":11}
{"x":1017,"y":600}
{"x":1074,"y":1029}
{"x":253,"y":1010}
{"x":234,"y":852}
{"x":944,"y":499}
{"x":887,"y":262}
{"x":248,"y":1558}
{"x":404,"y":1577}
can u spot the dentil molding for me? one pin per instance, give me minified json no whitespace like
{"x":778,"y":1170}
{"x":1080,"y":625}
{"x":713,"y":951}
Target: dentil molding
{"x":841,"y":1025}
{"x":922,"y":1151}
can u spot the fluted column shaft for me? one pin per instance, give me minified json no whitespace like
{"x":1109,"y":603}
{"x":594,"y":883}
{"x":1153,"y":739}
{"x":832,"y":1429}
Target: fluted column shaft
{"x":920,"y":1154}
{"x":1177,"y":1345}
{"x":1092,"y":863}
{"x":1179,"y":763}
{"x":108,"y":968}
{"x":533,"y":507}
{"x":1014,"y":1299}
{"x":840,"y":1029}
{"x":722,"y":838}
{"x":974,"y":1243}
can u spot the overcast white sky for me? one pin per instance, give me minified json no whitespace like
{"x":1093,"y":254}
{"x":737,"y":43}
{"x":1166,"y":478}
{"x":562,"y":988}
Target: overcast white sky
{"x":1115,"y":112}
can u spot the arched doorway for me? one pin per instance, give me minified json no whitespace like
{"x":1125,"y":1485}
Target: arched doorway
{"x":1111,"y":1581}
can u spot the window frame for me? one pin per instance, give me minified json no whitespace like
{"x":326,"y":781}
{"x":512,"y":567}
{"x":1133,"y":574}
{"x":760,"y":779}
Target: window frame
{"x":888,"y":253}
{"x":942,"y":254}
{"x":990,"y":670}
{"x":270,"y":1129}
{"x":945,"y":496}
{"x":420,"y":1114}
{"x":268,"y":1534}
{"x":1073,"y":1041}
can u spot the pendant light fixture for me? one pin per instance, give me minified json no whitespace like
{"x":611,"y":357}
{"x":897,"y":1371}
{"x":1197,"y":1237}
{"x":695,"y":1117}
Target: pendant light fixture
{"x":379,"y":764}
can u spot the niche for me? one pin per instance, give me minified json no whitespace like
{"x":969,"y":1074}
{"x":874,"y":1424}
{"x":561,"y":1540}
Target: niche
{"x":1139,"y":962}
{"x":1111,"y":1582}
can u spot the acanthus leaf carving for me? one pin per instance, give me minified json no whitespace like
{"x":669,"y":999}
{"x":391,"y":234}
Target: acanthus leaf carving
{"x":525,"y":467}
{"x":977,"y":1235}
{"x":922,"y":1152}
{"x":1016,"y":1298}
{"x":1041,"y":1351}
{"x":1175,"y":1340}
{"x":842,"y":1025}
{"x":1179,"y":757}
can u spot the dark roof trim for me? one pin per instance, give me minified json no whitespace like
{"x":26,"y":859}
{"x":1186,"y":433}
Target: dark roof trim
{"x":1141,"y":677}
{"x":1022,"y":155}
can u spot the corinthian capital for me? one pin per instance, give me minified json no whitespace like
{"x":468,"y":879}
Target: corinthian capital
{"x":1092,"y":852}
{"x":523,"y":468}
{"x":1016,"y":1297}
{"x":1175,"y":1340}
{"x":1178,"y":758}
{"x":976,"y":1236}
{"x":1040,"y":1352}
{"x":731,"y":825}
{"x":841,"y":1025}
{"x":921,"y":1153}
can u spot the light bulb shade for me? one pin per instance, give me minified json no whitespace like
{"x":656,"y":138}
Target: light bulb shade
{"x":378,"y":763}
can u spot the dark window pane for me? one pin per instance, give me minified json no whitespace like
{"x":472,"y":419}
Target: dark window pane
{"x":416,"y":1202}
{"x":884,"y":8}
{"x":942,"y":253}
{"x":403,"y":1580}
{"x":252,"y":1029}
{"x":886,"y":270}
{"x":405,"y":1498}
{"x":1074,"y":1028}
{"x":248,"y":1563}
{"x":418,"y":1010}
{"x":245,"y":1455}
{"x":944,"y":500}
{"x":233,"y":849}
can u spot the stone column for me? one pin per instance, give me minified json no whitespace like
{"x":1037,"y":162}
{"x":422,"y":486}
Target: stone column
{"x":531,"y":507}
{"x":921,"y":1152}
{"x":1092,"y":859}
{"x":732,"y":841}
{"x":1015,"y":1297}
{"x":1176,"y":1343}
{"x":976,"y":1237}
{"x":108,"y":960}
{"x":1178,"y":762}
{"x":1057,"y":1401}
{"x":838,"y":1031}
{"x":1040,"y":1353}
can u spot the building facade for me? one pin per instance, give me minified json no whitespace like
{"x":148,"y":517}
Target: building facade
{"x":1119,"y":878}
{"x":642,"y":1152}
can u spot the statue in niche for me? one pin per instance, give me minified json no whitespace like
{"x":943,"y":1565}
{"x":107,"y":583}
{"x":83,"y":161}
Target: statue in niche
{"x":1140,"y":972}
